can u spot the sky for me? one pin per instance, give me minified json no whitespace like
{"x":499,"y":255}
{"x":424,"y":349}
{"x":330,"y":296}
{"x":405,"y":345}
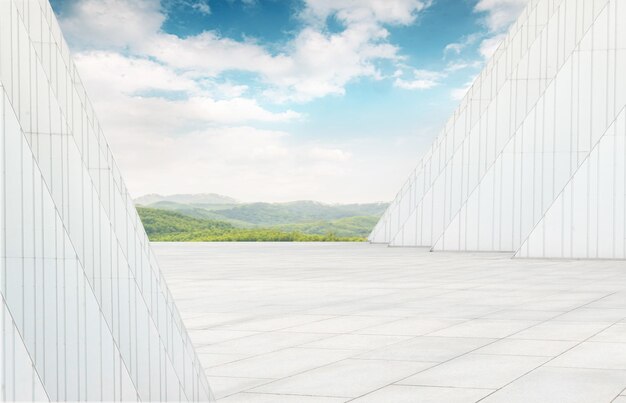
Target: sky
{"x":278,"y":100}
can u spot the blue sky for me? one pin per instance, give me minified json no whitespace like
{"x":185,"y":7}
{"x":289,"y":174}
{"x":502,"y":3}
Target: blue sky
{"x":276,"y":100}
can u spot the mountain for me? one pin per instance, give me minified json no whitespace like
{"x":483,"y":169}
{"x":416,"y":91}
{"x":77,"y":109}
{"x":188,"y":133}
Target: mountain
{"x":159,"y":222}
{"x":359,"y":226}
{"x":273,"y":219}
{"x":201,"y":198}
{"x":170,"y":226}
{"x":265,"y":214}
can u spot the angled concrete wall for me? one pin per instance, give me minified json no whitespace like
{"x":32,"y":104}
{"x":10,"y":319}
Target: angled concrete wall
{"x":508,"y":156}
{"x":85,"y":311}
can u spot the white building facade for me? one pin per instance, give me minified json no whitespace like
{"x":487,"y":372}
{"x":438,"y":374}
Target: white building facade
{"x":532,"y":161}
{"x":85,"y":311}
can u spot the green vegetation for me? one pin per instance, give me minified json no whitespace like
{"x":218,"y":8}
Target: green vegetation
{"x":212,"y":217}
{"x":169,"y":226}
{"x":359,"y":226}
{"x":259,"y":214}
{"x":270,"y":214}
{"x":161,"y":222}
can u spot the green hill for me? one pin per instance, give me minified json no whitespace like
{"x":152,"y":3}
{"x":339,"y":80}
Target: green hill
{"x":170,"y":226}
{"x":202,"y":198}
{"x":297,"y":212}
{"x":350,"y":226}
{"x":158,"y":223}
{"x":199,"y":211}
{"x":214,"y":217}
{"x":258,"y":214}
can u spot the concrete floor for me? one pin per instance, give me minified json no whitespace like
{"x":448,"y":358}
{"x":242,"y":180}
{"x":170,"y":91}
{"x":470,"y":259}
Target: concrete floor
{"x":366,"y":323}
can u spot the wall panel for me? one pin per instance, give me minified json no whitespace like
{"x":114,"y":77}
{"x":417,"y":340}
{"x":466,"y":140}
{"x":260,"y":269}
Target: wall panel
{"x":87,"y":303}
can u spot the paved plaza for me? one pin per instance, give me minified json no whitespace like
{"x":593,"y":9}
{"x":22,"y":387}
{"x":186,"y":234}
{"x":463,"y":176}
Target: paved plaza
{"x":368,"y":323}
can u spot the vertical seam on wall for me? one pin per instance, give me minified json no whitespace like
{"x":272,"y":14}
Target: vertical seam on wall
{"x":438,"y":141}
{"x":183,"y":334}
{"x":514,"y":142}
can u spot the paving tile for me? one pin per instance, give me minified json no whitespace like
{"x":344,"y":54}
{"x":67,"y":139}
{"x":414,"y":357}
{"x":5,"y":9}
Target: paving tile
{"x":593,"y":355}
{"x":410,"y":327}
{"x":276,"y":323}
{"x":210,"y":360}
{"x":248,"y":397}
{"x":340,"y":324}
{"x":541,"y":348}
{"x":356,"y":341}
{"x":423,"y":394}
{"x":394,"y":313}
{"x":521,"y":314}
{"x":348,"y":378}
{"x":428,"y":349}
{"x":614,"y":334}
{"x":615,"y":300}
{"x":209,"y":320}
{"x":586,"y":314}
{"x":476,"y":371}
{"x":562,"y":385}
{"x":485,"y":328}
{"x":461,"y":311}
{"x":205,"y":337}
{"x":280,"y":364}
{"x":262,"y":343}
{"x":553,"y":305}
{"x":225,"y":386}
{"x":567,"y":331}
{"x":250,"y":308}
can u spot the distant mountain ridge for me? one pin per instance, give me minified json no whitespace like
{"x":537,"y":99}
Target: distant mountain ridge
{"x":308,"y":217}
{"x":297,"y":212}
{"x":170,"y":226}
{"x":200,"y":198}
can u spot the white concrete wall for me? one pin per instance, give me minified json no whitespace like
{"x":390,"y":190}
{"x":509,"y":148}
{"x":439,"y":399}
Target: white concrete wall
{"x":563,"y":86}
{"x":80,"y":285}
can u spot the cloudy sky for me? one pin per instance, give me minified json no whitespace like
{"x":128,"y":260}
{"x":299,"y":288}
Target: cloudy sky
{"x":277,"y":100}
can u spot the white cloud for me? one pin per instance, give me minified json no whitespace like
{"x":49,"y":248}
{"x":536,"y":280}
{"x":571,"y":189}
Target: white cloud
{"x":147,"y":90}
{"x":488,"y":46}
{"x":396,"y":12}
{"x":497,"y":17}
{"x":252,"y":164}
{"x":198,"y":132}
{"x":453,"y":48}
{"x":458,"y":65}
{"x":243,"y":161}
{"x":202,"y":7}
{"x":111,"y":24}
{"x":458,"y":93}
{"x":329,"y":154}
{"x":427,"y":79}
{"x":225,"y":89}
{"x":420,"y":80}
{"x":110,"y":72}
{"x":322,"y":64}
{"x":457,"y":47}
{"x":500,"y":13}
{"x":247,"y":3}
{"x":314,"y":64}
{"x":208,"y":54}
